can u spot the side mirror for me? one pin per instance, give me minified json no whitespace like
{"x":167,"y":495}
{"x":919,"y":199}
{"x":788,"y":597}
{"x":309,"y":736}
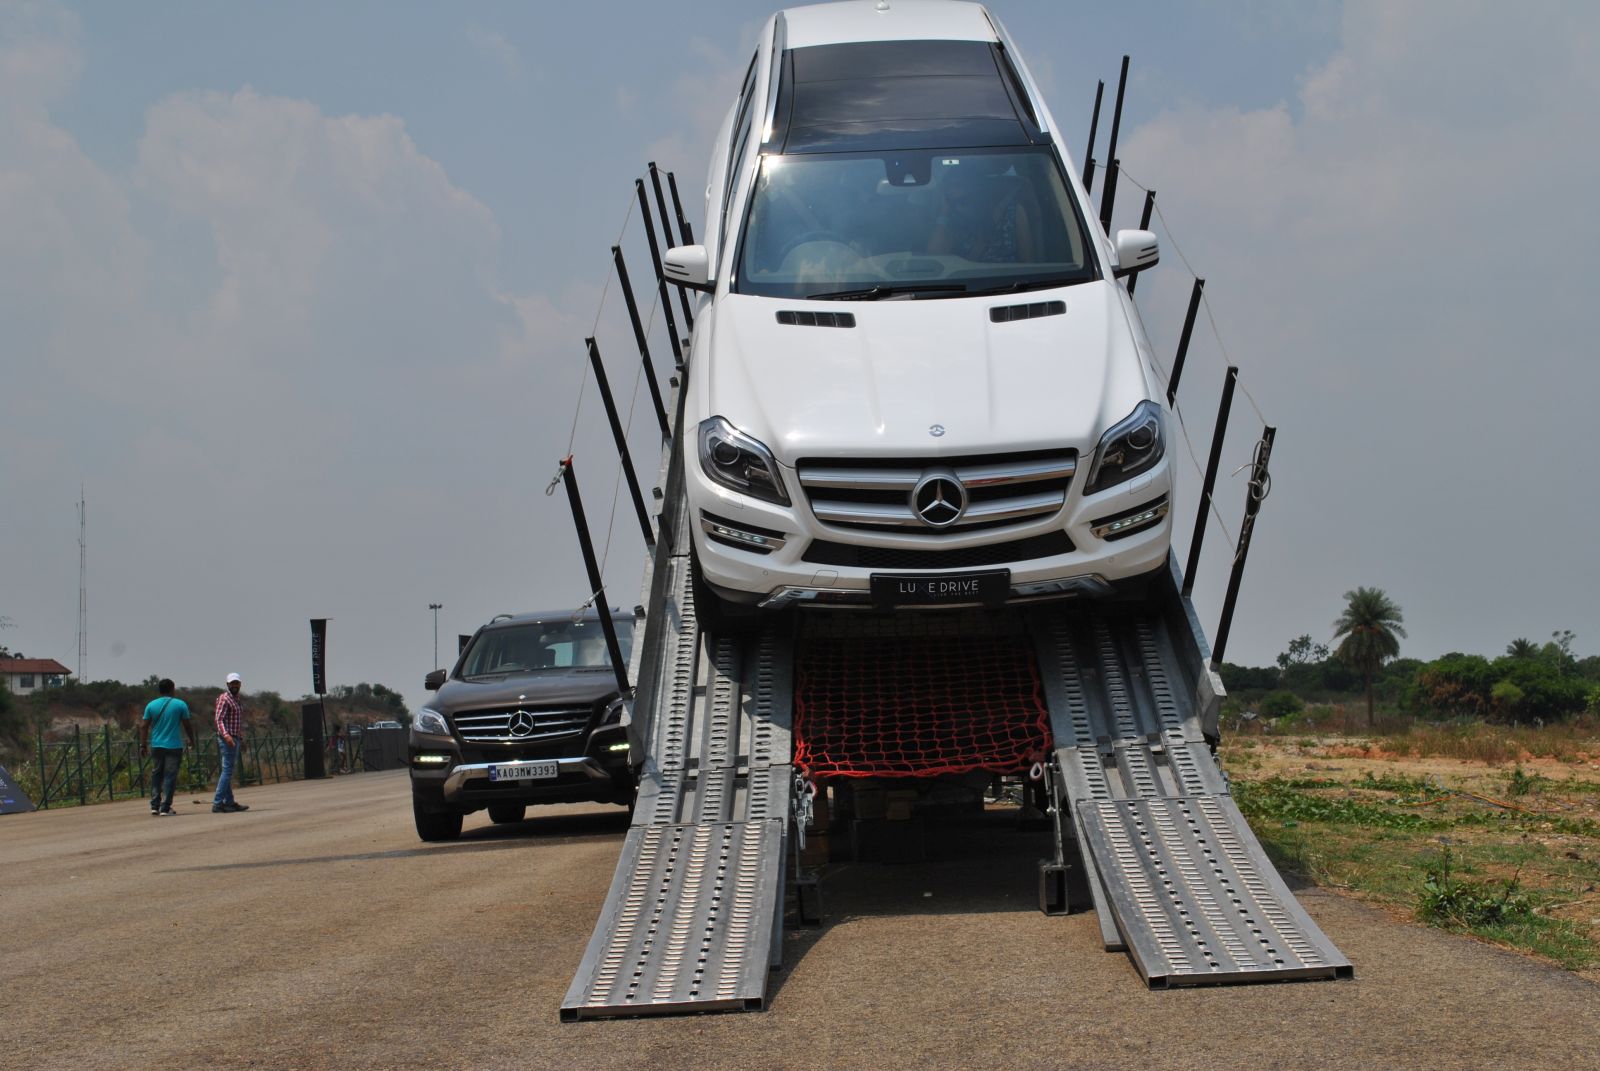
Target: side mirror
{"x":435,"y":680}
{"x":687,"y":266}
{"x":1136,"y":251}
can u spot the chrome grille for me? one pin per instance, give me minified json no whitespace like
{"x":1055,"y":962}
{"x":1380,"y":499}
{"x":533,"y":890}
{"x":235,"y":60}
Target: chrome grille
{"x":877,"y":494}
{"x":495,"y":726}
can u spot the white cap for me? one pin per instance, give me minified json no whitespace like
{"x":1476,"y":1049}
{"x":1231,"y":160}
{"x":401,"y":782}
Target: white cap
{"x":235,"y":677}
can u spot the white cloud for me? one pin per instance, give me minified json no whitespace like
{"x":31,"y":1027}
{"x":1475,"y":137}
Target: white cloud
{"x":39,"y":53}
{"x":1382,"y":266}
{"x":495,"y":47}
{"x":278,"y":355}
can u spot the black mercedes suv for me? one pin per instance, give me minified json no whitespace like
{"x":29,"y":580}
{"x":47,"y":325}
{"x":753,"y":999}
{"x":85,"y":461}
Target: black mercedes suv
{"x":529,"y":714}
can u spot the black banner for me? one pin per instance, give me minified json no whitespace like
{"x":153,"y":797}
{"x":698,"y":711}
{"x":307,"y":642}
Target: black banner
{"x":12,"y":799}
{"x":319,"y":655}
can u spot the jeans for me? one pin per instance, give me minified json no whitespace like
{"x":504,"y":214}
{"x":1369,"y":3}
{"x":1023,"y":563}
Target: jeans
{"x":164,"y":776}
{"x":229,"y":756}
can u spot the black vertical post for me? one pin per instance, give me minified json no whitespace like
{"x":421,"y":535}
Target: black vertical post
{"x":569,"y":478}
{"x":77,"y":750}
{"x":111,"y":789}
{"x":1144,"y":225}
{"x":661,"y":280}
{"x":684,"y":229}
{"x":1217,"y":435}
{"x":641,"y":338}
{"x":1094,"y":128}
{"x":1183,"y":340}
{"x":666,"y":234}
{"x":1260,"y":484}
{"x":620,"y":434}
{"x":1108,"y":196}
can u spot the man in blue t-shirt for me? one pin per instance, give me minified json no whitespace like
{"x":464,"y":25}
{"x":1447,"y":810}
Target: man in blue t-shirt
{"x":158,"y":734}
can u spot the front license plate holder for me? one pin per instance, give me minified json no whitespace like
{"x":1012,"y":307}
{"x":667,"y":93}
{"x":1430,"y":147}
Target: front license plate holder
{"x":527,"y":771}
{"x":988,"y":588}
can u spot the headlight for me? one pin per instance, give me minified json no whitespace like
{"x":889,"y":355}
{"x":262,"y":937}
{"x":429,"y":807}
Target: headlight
{"x":432,"y":722}
{"x":1132,"y":446}
{"x":614,"y":711}
{"x":739,"y":463}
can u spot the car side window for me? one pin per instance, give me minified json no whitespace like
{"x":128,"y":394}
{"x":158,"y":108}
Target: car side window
{"x":741,"y":137}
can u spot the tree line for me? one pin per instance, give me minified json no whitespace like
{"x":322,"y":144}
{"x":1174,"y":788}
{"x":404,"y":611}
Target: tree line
{"x":1529,"y":683}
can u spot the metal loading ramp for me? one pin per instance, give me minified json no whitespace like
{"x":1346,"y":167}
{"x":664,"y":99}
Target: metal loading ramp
{"x":693,"y":919}
{"x":1177,"y":877}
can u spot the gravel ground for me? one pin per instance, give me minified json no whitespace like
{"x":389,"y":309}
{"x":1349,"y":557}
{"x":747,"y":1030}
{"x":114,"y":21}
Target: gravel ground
{"x":317,"y":931}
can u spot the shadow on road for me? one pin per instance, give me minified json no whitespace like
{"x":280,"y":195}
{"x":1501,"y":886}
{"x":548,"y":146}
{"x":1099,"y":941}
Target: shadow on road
{"x":975,"y":864}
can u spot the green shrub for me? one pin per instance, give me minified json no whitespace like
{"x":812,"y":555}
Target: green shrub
{"x":1281,"y":703}
{"x":1446,"y":901}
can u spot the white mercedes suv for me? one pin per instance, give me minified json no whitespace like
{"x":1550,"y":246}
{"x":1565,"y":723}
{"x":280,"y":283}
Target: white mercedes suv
{"x":916,"y":378}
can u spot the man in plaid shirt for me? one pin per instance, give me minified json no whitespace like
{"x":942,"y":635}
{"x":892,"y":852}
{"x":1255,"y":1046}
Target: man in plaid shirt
{"x":230,"y":733}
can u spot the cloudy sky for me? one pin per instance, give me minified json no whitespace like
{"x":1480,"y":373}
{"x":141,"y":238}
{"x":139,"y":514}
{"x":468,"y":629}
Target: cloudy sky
{"x":296,"y":293}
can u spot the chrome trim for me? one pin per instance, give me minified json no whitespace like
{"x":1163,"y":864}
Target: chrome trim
{"x":992,"y":474}
{"x":495,"y":726}
{"x":462,"y":774}
{"x":901,"y":516}
{"x":1000,"y":473}
{"x":874,"y":491}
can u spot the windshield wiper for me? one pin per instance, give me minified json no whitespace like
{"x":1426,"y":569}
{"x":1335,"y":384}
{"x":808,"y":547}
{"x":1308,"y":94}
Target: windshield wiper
{"x":1031,"y":284}
{"x":885,"y":290}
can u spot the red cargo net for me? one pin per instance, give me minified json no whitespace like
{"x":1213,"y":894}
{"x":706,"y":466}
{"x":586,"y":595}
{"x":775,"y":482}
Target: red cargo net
{"x":918,"y":706}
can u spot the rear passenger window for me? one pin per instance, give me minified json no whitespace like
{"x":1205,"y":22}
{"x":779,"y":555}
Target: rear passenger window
{"x":741,"y":134}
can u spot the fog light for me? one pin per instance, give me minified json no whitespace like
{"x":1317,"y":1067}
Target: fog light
{"x":430,"y":760}
{"x":1125,"y":524}
{"x":746,"y":536}
{"x":618,"y":747}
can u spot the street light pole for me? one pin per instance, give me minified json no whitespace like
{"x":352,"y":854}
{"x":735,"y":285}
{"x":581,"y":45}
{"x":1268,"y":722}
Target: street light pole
{"x":435,"y":607}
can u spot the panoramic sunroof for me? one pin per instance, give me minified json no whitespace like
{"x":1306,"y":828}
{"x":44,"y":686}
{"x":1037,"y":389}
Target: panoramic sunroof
{"x":895,"y":94}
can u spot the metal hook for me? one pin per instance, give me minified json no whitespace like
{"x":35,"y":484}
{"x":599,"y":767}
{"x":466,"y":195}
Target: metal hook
{"x":561,"y":470}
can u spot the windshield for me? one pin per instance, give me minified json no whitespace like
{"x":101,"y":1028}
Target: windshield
{"x":872,"y":225}
{"x":540,"y":645}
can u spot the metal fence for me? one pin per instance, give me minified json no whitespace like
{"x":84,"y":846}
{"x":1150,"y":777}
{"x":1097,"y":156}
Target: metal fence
{"x":93,"y":767}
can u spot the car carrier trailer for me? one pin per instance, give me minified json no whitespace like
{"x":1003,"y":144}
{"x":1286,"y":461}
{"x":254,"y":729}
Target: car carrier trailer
{"x":1145,"y":829}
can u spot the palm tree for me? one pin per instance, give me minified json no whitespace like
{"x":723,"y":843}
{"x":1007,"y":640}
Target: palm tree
{"x":1522,"y":649}
{"x":1369,"y":628}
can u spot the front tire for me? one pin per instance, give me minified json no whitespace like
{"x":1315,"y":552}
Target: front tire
{"x":505,"y":813}
{"x":435,"y":825}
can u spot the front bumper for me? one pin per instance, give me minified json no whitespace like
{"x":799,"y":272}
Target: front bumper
{"x":461,"y":781}
{"x":776,"y":572}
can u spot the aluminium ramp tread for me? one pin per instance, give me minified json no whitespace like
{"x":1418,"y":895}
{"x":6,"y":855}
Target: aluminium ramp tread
{"x":1175,"y":872}
{"x":688,"y":923}
{"x":1196,"y":899}
{"x":694,"y":913}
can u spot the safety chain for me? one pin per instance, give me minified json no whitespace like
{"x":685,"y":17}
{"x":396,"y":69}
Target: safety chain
{"x":805,"y":793}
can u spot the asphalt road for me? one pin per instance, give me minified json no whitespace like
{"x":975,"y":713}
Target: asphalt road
{"x":317,"y":931}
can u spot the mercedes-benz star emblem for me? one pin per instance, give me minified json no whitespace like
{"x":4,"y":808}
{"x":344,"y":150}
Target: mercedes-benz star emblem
{"x":936,"y":430}
{"x":522,"y":724}
{"x":939,"y":499}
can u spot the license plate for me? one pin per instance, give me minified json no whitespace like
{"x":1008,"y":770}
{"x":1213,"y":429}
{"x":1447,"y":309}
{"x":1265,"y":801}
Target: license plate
{"x":527,"y":771}
{"x":910,"y":589}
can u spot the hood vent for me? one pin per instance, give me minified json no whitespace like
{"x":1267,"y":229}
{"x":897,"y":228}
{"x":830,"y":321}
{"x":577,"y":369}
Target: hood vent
{"x":1004,"y":314}
{"x":817,"y":319}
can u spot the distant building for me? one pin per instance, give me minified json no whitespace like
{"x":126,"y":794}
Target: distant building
{"x":23,"y":676}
